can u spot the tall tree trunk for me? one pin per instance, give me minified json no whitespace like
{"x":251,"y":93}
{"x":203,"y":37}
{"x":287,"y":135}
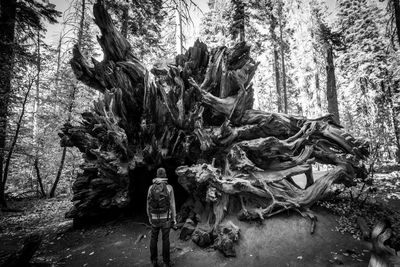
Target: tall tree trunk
{"x":7,"y":28}
{"x":179,"y":30}
{"x":396,"y":6}
{"x":81,"y":24}
{"x":36,"y":119}
{"x":331,"y":93}
{"x":15,"y":138}
{"x":276,"y":70}
{"x":39,"y":177}
{"x":285,"y":100}
{"x":317,"y":86}
{"x":125,"y":20}
{"x":64,"y":151}
{"x":237,"y":28}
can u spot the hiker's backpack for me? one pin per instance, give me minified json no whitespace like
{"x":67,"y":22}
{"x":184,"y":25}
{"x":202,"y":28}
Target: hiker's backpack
{"x":159,"y":198}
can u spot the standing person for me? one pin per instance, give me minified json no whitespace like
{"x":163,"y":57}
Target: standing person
{"x":161,"y":212}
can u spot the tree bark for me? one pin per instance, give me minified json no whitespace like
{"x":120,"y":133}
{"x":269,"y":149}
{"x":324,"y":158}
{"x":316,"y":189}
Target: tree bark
{"x":36,"y":119}
{"x":7,"y":28}
{"x":39,"y":178}
{"x":179,"y":28}
{"x":276,"y":61}
{"x":81,"y":24}
{"x":396,"y":6}
{"x":285,"y":100}
{"x":395,"y":111}
{"x":331,"y":91}
{"x":317,"y":86}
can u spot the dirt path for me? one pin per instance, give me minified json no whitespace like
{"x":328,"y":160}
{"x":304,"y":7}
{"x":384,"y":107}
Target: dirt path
{"x":280,"y":241}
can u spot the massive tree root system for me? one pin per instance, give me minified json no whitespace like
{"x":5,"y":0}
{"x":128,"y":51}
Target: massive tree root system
{"x":197,"y":111}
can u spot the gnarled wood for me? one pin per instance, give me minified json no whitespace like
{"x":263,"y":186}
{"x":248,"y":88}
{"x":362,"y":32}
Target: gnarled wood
{"x":197,"y":111}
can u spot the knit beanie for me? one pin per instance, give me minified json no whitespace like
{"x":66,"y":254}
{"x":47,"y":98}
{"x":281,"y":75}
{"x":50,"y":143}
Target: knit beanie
{"x":161,"y":173}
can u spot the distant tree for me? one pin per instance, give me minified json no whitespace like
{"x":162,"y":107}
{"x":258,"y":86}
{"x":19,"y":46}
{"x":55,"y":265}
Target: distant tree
{"x":282,"y":50}
{"x":239,"y":16}
{"x":273,"y":22}
{"x":326,"y":42}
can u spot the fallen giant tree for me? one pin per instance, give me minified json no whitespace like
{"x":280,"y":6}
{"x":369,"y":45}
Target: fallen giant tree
{"x":197,"y":111}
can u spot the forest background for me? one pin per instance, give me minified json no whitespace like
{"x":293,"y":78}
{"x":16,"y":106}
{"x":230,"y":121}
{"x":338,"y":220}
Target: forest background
{"x":316,"y":57}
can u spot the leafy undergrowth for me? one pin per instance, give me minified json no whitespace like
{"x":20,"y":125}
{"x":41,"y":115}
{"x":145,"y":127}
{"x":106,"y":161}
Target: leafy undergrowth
{"x":37,"y":215}
{"x":374,"y":203}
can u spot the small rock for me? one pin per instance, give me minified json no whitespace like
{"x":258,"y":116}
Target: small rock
{"x":336,"y":261}
{"x":300,"y":257}
{"x":201,"y":237}
{"x":187,"y":230}
{"x":227,"y":235}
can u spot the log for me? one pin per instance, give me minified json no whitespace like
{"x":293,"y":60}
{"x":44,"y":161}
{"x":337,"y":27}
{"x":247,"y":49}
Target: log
{"x":195,"y":112}
{"x":381,"y":254}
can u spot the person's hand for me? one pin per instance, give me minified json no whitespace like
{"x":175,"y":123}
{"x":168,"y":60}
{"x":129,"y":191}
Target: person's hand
{"x":173,"y":224}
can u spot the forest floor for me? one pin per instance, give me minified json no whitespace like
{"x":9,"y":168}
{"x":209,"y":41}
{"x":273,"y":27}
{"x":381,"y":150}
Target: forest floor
{"x":283,"y":240}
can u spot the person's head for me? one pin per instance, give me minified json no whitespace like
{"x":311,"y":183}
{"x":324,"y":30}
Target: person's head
{"x":161,"y":173}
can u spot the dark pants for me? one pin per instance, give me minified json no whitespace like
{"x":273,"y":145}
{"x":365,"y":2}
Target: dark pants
{"x":164,"y":226}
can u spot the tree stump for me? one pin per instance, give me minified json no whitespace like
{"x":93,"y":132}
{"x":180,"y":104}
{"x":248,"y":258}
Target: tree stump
{"x":197,"y":111}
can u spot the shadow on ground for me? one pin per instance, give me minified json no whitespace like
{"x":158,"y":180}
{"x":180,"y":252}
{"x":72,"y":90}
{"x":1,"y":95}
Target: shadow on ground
{"x":280,"y":241}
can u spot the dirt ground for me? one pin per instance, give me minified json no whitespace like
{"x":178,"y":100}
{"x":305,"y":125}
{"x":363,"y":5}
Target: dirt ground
{"x":280,"y":241}
{"x":283,"y":240}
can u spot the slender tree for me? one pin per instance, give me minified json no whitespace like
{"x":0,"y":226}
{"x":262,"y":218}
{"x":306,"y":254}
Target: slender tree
{"x":179,"y":27}
{"x":36,"y":106}
{"x":331,"y":90}
{"x":17,"y":131}
{"x":7,"y":26}
{"x":282,"y":50}
{"x":275,"y":44}
{"x":72,"y":96}
{"x":237,"y":28}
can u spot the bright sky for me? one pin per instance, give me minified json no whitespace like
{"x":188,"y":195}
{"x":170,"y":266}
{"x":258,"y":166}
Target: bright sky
{"x":62,"y":5}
